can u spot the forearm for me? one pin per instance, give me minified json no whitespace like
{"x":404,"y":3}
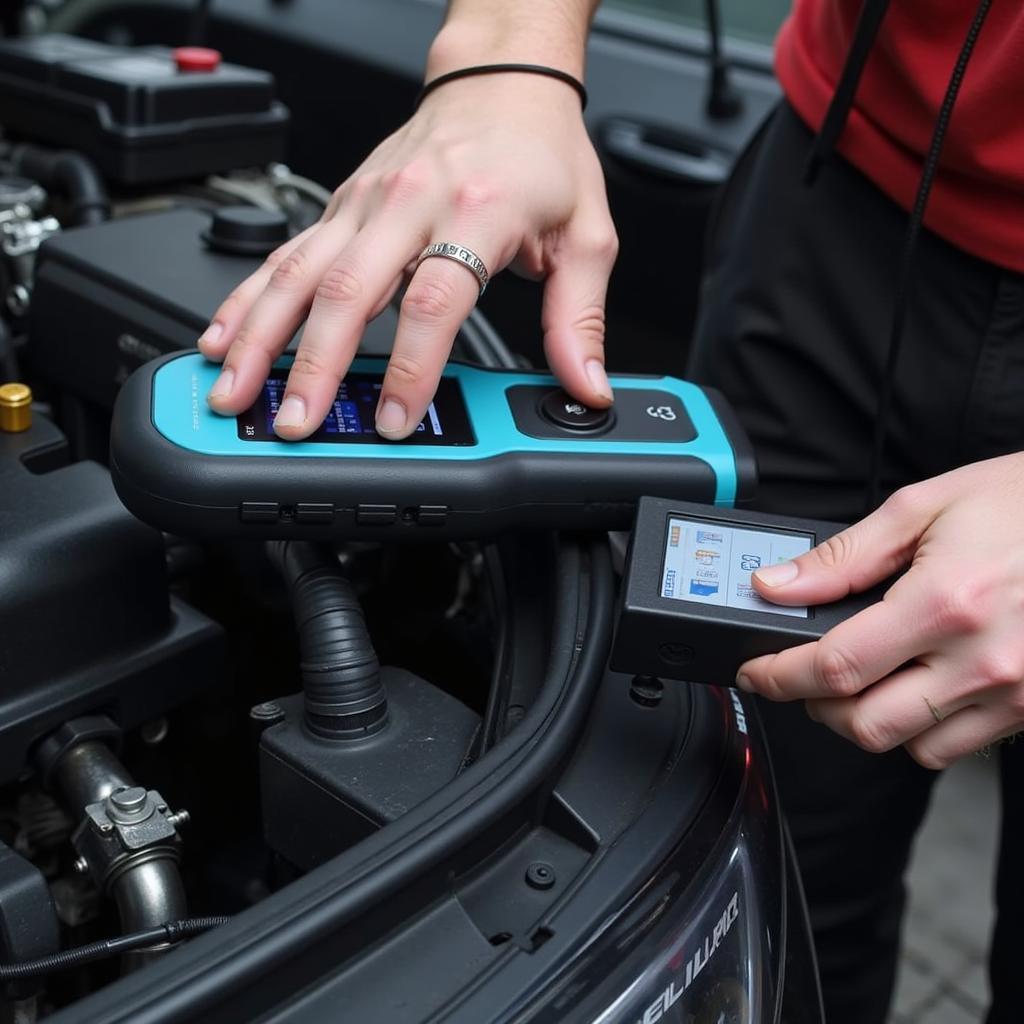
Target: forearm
{"x":498,"y":163}
{"x":551,"y":32}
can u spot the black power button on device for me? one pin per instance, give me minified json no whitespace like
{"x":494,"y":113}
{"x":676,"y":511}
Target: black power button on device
{"x":564,"y":411}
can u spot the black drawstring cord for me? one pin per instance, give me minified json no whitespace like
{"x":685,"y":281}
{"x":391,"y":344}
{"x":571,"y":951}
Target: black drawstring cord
{"x":899,"y":314}
{"x":868,"y":24}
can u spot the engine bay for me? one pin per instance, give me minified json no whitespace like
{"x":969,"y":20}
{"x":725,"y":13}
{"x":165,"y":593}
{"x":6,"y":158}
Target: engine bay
{"x":140,"y":671}
{"x":242,"y":780}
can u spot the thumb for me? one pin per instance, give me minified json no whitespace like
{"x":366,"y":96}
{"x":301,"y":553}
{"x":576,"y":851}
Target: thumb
{"x":853,"y":559}
{"x":574,"y":321}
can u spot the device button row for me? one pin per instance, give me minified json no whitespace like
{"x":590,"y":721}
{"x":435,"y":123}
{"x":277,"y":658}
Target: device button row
{"x":310,"y":512}
{"x":314,"y":512}
{"x":259,"y":511}
{"x":376,"y":515}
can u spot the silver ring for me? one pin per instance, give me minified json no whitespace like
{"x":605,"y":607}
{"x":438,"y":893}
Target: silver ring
{"x":459,"y":253}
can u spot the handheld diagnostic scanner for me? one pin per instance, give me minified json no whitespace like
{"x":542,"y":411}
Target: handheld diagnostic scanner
{"x":496,"y":450}
{"x":689,"y":610}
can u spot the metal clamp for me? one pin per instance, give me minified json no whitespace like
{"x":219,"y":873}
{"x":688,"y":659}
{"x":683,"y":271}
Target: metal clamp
{"x":131,"y":825}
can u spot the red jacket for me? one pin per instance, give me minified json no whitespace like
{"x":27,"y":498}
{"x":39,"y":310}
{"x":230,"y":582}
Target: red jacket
{"x":977,"y":202}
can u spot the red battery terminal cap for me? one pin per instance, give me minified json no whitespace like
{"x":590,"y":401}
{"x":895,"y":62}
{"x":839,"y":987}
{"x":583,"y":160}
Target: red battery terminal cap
{"x":196,"y":58}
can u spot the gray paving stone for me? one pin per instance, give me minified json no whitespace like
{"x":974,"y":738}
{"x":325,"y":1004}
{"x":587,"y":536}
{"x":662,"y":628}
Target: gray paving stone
{"x":947,"y":1011}
{"x":916,"y":986}
{"x":951,"y":875}
{"x":950,"y":912}
{"x":971,"y":987}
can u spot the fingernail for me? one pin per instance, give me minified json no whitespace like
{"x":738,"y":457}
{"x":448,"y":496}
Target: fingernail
{"x":744,"y":683}
{"x":223,"y":384}
{"x":292,"y":412}
{"x":598,"y":378}
{"x":391,"y":417}
{"x":211,"y":334}
{"x":777,"y":575}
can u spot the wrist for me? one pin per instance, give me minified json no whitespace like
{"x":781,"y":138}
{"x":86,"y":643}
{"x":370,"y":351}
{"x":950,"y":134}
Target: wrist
{"x":555,"y":37}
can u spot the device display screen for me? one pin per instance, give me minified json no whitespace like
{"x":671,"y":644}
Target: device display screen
{"x":711,"y":563}
{"x":351,"y":419}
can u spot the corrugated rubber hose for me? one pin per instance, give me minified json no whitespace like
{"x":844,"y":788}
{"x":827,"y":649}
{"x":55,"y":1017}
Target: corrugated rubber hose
{"x":345,"y":698}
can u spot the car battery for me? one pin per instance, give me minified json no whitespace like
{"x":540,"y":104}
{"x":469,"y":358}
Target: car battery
{"x":141,"y":114}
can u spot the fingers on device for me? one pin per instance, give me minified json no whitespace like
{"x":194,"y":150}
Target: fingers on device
{"x":689,"y":610}
{"x":496,"y":450}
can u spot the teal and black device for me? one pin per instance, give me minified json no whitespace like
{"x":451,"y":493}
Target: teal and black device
{"x":497,"y":450}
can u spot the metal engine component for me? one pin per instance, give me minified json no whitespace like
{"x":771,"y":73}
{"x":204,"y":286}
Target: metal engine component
{"x":21,"y":195}
{"x":23,"y":228}
{"x":127,"y":840}
{"x":117,"y":831}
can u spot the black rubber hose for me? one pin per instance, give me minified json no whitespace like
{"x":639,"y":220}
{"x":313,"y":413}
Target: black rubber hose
{"x":345,"y":698}
{"x":496,"y":709}
{"x":70,"y":174}
{"x":172,"y":931}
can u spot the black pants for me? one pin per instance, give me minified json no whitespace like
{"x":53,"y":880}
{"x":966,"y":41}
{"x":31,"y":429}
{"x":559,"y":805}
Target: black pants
{"x":795,"y":317}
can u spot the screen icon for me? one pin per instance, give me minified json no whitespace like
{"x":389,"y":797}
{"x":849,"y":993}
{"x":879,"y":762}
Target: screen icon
{"x":703,"y":588}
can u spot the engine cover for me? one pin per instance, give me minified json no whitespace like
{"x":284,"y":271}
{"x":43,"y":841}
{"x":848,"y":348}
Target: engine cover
{"x":111,"y":297}
{"x":85,"y":618}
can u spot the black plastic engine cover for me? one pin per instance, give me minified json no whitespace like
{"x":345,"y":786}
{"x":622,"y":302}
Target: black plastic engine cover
{"x":86,"y":621}
{"x":111,"y":297}
{"x":28,"y":920}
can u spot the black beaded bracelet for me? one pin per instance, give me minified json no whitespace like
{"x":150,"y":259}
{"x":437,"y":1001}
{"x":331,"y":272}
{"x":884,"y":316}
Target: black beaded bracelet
{"x":494,"y":69}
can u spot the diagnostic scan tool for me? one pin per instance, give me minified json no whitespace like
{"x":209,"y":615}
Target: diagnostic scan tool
{"x":496,"y":450}
{"x":689,"y":609}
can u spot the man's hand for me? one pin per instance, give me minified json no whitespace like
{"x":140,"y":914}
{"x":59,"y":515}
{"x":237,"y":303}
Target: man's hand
{"x":938,"y":665}
{"x":500,"y":164}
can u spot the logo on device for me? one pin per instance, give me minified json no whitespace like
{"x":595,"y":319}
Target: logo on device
{"x":575,"y":409}
{"x":662,"y":412}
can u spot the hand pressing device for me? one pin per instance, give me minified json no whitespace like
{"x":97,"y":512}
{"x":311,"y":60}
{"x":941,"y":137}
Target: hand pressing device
{"x":689,"y":609}
{"x":496,"y":450}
